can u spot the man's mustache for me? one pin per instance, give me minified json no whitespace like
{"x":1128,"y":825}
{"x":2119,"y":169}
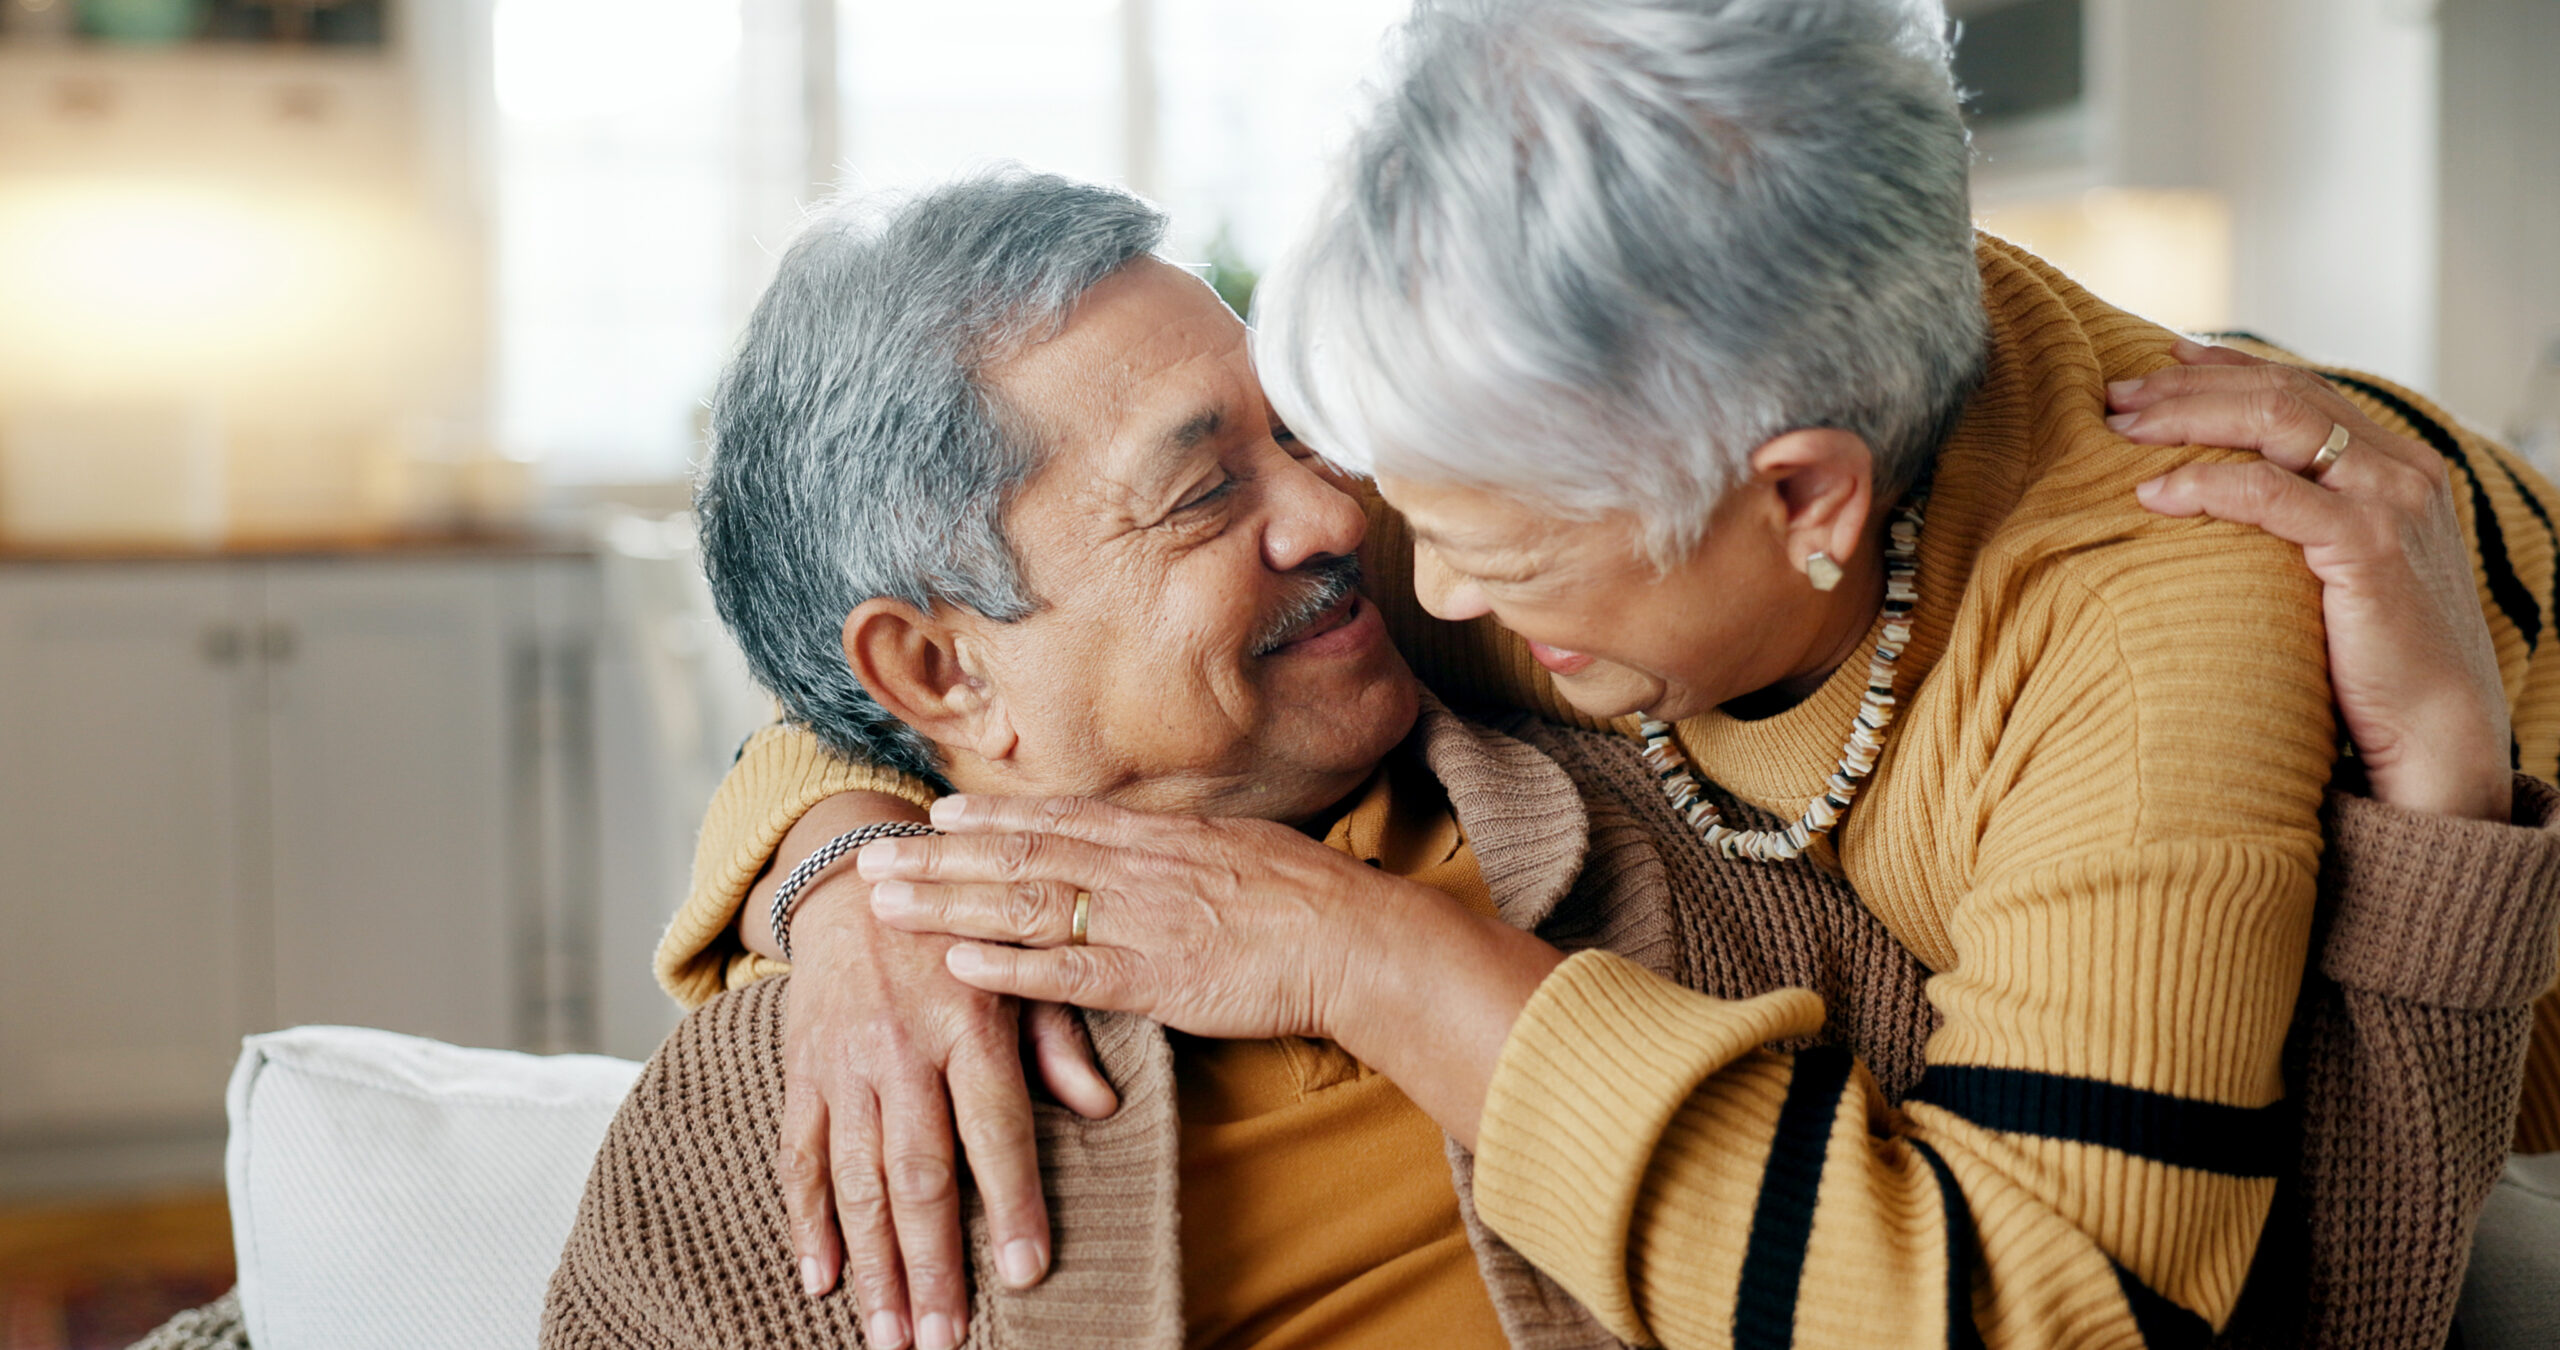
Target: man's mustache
{"x":1324,"y":584}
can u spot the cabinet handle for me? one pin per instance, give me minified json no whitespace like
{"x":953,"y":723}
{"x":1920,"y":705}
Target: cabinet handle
{"x":220,"y":644}
{"x":277,"y":641}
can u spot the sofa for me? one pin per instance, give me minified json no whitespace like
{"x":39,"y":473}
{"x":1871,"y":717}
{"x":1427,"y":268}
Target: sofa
{"x":394,"y":1192}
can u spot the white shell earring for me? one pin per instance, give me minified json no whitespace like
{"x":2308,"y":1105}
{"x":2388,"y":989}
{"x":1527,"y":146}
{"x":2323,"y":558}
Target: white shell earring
{"x":1824,"y":573}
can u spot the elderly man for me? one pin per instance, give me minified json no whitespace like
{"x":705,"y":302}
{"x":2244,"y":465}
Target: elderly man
{"x":995,"y":498}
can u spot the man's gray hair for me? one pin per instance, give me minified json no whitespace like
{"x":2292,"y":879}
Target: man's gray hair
{"x":1593,"y":253}
{"x":854,"y":450}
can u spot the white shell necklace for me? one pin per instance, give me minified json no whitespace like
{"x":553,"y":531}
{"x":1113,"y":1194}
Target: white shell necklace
{"x":1866,"y":731}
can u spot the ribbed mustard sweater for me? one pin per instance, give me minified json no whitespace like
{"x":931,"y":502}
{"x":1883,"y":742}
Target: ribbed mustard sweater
{"x":2095,"y":822}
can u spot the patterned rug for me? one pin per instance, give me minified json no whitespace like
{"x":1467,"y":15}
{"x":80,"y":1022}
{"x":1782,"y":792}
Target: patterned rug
{"x":100,"y":1312}
{"x":100,"y":1274}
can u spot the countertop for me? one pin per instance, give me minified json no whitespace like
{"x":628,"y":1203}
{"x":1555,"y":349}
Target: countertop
{"x":520,"y":544}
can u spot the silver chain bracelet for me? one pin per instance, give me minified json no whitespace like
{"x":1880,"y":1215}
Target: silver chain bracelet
{"x":786,"y":896}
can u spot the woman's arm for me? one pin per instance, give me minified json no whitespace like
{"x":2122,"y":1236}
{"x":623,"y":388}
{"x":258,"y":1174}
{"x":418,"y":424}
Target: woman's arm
{"x":826,"y":892}
{"x":1237,"y":929}
{"x":779,"y":775}
{"x":890,"y":1065}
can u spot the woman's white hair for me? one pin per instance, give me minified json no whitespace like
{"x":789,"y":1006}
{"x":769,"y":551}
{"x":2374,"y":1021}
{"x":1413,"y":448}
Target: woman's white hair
{"x":1593,"y":253}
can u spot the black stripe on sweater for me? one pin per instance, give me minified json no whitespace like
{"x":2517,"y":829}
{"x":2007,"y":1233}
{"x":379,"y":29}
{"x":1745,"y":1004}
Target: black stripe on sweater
{"x":1764,"y":1309}
{"x":2505,"y":588}
{"x":2531,"y":502}
{"x":2236,"y":1141}
{"x":1962,"y":1334}
{"x":2163,"y":1324}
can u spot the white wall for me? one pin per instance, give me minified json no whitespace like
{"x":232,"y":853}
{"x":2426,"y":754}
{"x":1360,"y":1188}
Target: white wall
{"x":2499,"y":288}
{"x":2323,"y":138}
{"x":2310,"y":124}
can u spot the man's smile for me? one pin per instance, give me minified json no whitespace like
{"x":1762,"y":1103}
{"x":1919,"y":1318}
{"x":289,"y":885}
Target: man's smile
{"x":1351,"y":624}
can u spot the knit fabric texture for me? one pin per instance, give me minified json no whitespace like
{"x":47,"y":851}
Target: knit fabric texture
{"x":215,"y":1326}
{"x":2406,"y":1052}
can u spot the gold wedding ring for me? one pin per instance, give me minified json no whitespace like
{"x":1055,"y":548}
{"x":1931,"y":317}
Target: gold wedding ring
{"x":2330,"y":449}
{"x":1084,"y":912}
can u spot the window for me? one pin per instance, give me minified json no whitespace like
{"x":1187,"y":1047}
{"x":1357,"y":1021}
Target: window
{"x":617,"y":143}
{"x":1257,"y":96}
{"x":653,"y":155}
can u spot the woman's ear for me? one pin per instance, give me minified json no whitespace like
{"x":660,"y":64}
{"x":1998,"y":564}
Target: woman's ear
{"x":919,"y":667}
{"x":1825,"y":484}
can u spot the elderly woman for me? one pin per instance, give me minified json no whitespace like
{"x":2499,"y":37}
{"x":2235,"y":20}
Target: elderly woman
{"x":1663,"y":326}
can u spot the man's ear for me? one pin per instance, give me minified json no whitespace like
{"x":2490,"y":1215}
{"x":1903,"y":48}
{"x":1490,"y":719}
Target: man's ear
{"x":1825,"y":486}
{"x":918,"y":666}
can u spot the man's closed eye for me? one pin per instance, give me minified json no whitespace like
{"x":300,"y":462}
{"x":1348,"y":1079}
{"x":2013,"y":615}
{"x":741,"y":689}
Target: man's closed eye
{"x":1210,"y":495}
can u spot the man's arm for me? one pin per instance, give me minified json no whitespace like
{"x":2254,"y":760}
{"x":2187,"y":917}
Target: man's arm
{"x":2440,"y":934}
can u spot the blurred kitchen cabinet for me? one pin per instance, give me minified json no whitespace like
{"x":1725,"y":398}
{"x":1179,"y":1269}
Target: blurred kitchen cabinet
{"x":244,"y":794}
{"x":128,"y":704}
{"x":388,"y":787}
{"x":299,"y":117}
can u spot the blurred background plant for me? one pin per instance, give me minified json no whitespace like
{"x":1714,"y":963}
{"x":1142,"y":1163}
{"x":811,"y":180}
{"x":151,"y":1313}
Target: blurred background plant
{"x":1229,"y":274}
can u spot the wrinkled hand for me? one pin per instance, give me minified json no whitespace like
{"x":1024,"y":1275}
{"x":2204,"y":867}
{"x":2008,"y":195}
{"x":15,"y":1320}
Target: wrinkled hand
{"x":883,"y":1053}
{"x":1224,"y":928}
{"x":2415,"y":674}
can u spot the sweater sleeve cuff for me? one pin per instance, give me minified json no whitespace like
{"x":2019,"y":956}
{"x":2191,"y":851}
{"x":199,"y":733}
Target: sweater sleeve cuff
{"x":746,"y":968}
{"x":2439,"y":911}
{"x":781,"y":772}
{"x":1596,"y":1067}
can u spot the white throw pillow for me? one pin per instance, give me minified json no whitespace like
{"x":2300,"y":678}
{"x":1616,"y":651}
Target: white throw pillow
{"x":2511,"y":1298}
{"x":398,"y":1192}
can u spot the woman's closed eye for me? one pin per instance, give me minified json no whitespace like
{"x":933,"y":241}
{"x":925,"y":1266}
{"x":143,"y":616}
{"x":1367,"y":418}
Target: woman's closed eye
{"x":1511,"y":575}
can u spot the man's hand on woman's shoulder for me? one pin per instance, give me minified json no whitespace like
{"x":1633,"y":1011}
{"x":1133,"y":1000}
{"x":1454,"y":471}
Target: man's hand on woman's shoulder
{"x":2410,"y":657}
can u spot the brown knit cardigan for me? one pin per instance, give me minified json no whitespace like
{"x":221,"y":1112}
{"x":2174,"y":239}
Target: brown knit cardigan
{"x":2406,"y":1056}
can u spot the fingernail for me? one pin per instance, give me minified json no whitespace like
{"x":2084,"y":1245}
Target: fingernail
{"x":965,"y":960}
{"x":934,"y":1332}
{"x":892,"y":895}
{"x":1021,"y":1263}
{"x":949,"y":811}
{"x":2123,"y":389}
{"x":876,"y":859}
{"x":2124,"y":421}
{"x":812,"y":1278}
{"x":888,"y":1330}
{"x":2148,"y":488}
